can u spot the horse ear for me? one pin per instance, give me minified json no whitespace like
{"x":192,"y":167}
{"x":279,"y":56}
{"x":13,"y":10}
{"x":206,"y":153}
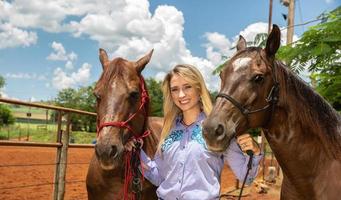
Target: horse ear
{"x":241,"y":45}
{"x":273,"y":41}
{"x":103,"y":57}
{"x":142,"y":62}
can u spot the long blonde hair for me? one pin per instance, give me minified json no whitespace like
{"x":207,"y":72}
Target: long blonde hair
{"x":170,"y":110}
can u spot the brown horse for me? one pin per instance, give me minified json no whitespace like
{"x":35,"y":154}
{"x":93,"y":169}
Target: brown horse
{"x":122,"y":106}
{"x":303,"y":130}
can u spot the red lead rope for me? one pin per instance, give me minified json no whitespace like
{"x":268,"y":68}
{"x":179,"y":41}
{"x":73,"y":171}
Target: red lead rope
{"x":131,"y":171}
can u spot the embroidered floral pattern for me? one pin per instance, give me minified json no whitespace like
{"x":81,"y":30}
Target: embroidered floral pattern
{"x":197,"y":135}
{"x":176,"y":135}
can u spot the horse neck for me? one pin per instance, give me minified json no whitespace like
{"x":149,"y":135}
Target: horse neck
{"x":303,"y":121}
{"x":150,"y":144}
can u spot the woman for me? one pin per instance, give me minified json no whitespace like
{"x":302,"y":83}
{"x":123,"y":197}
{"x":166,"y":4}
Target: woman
{"x":183,"y":168}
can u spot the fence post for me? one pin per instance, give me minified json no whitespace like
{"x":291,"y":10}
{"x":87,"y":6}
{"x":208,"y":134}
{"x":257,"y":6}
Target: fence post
{"x":58,"y":156}
{"x":63,"y":159}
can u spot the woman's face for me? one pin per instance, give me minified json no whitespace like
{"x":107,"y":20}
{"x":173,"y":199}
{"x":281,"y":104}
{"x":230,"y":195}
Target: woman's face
{"x":184,"y":95}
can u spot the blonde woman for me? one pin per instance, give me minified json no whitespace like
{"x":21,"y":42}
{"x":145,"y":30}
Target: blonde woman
{"x":183,"y":168}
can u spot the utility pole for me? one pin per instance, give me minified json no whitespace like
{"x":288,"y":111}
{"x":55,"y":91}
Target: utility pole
{"x":291,"y":13}
{"x":270,"y":17}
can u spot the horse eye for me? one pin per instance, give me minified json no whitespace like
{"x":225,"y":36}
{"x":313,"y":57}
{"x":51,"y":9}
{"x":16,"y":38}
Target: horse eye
{"x":258,"y":79}
{"x":134,"y":95}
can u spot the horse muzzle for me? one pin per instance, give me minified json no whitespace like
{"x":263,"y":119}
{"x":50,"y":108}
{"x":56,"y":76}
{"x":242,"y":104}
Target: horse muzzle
{"x":109,"y":155}
{"x":217,"y":135}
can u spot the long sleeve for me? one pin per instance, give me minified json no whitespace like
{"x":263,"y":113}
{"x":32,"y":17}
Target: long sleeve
{"x":152,"y":173}
{"x":238,"y":161}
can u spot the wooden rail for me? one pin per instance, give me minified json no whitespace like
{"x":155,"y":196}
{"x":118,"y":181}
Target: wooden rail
{"x":62,"y":142}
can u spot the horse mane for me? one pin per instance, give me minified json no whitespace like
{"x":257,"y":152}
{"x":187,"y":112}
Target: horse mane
{"x":318,"y":114}
{"x":146,"y":106}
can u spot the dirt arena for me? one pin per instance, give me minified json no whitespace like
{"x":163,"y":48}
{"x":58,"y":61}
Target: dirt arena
{"x":28,"y":173}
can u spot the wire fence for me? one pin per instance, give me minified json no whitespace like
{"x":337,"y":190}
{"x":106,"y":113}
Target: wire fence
{"x":59,"y":138}
{"x":38,"y":185}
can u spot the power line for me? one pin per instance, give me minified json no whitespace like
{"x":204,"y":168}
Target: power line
{"x":305,"y":23}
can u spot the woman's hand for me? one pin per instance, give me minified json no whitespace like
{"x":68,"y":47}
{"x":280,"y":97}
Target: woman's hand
{"x":246,"y":142}
{"x":131,"y":144}
{"x":129,"y":147}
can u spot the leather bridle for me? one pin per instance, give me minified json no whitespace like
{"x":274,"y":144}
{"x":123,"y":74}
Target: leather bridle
{"x":271,"y":99}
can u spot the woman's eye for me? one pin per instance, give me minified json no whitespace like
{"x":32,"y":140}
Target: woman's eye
{"x":188,"y":87}
{"x":174,"y":90}
{"x":258,"y":78}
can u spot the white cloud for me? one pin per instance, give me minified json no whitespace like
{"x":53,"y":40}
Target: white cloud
{"x":124,"y":28}
{"x":329,"y":1}
{"x":21,"y":75}
{"x":64,"y":80}
{"x":216,"y":47}
{"x":69,"y":65}
{"x":11,"y":36}
{"x":59,"y":54}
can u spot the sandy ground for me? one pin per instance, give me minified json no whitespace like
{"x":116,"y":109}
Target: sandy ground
{"x":28,"y":173}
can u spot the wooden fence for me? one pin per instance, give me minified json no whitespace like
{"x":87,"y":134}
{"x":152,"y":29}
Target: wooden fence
{"x":62,"y":142}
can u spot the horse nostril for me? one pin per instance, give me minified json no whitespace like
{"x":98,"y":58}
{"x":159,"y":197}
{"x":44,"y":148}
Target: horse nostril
{"x":114,"y":151}
{"x":219,"y":130}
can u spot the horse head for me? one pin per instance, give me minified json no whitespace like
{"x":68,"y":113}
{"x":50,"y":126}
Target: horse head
{"x":249,"y":89}
{"x":122,"y":106}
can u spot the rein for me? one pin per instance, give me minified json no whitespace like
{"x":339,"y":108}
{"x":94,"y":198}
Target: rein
{"x":271,"y":100}
{"x":132,"y":158}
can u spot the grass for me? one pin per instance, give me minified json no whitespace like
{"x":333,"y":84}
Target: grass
{"x":42,"y":133}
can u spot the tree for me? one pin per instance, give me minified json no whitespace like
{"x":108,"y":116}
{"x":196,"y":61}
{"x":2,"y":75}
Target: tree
{"x":2,"y":83}
{"x":319,"y":50}
{"x":6,"y":116}
{"x":156,"y":97}
{"x":81,"y":99}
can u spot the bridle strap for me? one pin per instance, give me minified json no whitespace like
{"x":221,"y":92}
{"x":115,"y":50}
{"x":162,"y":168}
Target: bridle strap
{"x":242,"y":109}
{"x":132,"y":159}
{"x":124,"y":124}
{"x":271,"y":99}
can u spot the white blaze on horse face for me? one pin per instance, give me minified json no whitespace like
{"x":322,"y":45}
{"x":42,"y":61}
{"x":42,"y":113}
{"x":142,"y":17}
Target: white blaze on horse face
{"x":240,"y":63}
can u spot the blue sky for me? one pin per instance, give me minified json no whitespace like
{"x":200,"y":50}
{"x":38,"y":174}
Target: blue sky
{"x":46,"y":46}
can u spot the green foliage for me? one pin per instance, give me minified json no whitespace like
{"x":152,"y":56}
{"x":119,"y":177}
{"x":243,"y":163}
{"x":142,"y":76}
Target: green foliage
{"x":22,"y":131}
{"x":6,"y":116}
{"x":319,"y":50}
{"x":2,"y":82}
{"x":156,"y":97}
{"x":81,"y":99}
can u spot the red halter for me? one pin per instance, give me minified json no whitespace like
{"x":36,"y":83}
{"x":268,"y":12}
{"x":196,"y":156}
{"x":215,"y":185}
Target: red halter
{"x":131,"y":168}
{"x":124,"y":124}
